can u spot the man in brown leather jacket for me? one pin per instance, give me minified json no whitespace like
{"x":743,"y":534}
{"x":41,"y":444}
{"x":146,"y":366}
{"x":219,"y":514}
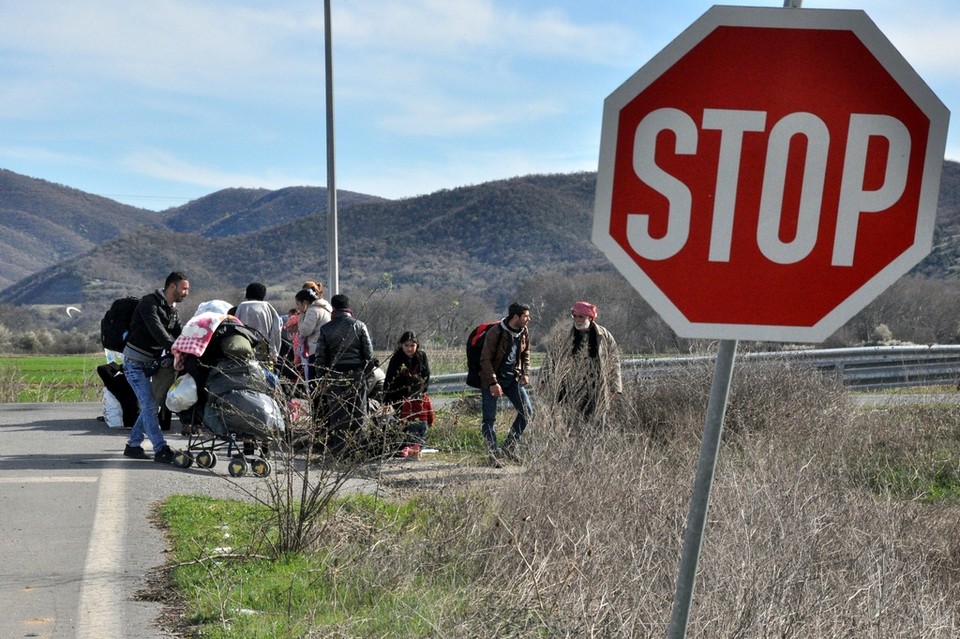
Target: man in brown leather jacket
{"x":504,"y":371}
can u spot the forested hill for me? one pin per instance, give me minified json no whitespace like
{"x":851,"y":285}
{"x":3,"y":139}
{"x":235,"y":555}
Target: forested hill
{"x":42,"y":224}
{"x":481,"y":239}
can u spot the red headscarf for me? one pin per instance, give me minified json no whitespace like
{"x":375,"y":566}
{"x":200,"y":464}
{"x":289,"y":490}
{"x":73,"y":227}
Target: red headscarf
{"x":585,"y":308}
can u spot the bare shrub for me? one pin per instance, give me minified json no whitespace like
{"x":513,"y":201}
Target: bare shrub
{"x":587,"y":540}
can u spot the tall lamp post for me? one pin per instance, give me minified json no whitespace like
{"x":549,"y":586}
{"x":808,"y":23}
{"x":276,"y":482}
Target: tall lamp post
{"x":333,"y":250}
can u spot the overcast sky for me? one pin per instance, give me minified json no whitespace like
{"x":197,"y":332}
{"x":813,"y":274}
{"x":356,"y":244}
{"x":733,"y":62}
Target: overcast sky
{"x":157,"y":103}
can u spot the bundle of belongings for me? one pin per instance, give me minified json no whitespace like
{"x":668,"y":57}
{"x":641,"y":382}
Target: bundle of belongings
{"x":234,"y":394}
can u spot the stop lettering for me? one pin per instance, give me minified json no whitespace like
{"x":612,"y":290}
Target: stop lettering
{"x":769,"y":173}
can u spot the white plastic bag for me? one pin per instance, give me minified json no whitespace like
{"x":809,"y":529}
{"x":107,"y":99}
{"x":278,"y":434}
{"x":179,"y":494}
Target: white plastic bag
{"x":112,"y":410}
{"x":182,"y":394}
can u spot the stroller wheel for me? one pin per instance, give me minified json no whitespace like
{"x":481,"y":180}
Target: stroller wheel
{"x":206,"y":459}
{"x":182,"y":459}
{"x":260,"y":467}
{"x":237,"y":467}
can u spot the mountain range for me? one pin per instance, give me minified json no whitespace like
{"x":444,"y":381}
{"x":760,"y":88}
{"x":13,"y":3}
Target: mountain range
{"x":62,"y":246}
{"x":478,"y":239}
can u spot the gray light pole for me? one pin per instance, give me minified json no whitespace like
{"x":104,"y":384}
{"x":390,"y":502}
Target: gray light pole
{"x":333,"y":250}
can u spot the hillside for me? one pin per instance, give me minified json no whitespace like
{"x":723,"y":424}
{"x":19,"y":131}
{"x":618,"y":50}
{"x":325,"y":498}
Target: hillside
{"x":239,"y":211}
{"x":479,"y":239}
{"x":482,"y":240}
{"x":42,"y":224}
{"x":944,"y":259}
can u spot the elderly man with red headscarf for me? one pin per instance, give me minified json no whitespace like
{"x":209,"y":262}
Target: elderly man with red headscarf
{"x":582,"y":367}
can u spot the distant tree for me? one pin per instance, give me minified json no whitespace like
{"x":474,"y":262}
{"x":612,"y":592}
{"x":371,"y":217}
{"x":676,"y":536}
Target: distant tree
{"x":915,"y":309}
{"x":441,"y":318}
{"x":637,"y":328}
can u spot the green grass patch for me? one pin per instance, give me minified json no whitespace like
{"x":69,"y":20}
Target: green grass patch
{"x":930,"y":480}
{"x":917,"y":460}
{"x":55,"y":378}
{"x":458,"y":430}
{"x":365,"y":582}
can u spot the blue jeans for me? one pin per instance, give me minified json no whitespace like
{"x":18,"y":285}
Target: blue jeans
{"x":517,"y":395}
{"x":148,"y":422}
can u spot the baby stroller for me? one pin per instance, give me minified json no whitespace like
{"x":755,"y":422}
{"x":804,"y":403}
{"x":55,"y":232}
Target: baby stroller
{"x":235,"y":414}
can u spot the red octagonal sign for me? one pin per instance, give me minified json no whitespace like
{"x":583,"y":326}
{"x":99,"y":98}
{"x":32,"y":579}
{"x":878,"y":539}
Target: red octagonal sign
{"x":769,"y":173}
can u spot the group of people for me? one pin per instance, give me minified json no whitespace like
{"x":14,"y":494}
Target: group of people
{"x":332,"y":351}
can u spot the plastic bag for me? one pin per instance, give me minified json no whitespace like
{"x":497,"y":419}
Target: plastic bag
{"x":112,"y":410}
{"x":243,"y":411}
{"x":182,"y":394}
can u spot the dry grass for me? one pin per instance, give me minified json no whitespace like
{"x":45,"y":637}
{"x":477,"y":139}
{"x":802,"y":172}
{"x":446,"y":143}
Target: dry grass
{"x":587,"y":542}
{"x":816,"y":529}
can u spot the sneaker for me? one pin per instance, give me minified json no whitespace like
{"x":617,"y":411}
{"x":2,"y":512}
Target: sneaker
{"x":412,"y":451}
{"x":164,"y":455}
{"x":135,"y":452}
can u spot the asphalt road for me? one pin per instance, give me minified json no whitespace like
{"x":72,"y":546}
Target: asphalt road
{"x":76,"y":542}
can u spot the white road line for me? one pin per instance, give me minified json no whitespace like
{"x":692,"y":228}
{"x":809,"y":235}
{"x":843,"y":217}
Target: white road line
{"x":49,"y":479}
{"x":101,"y":593}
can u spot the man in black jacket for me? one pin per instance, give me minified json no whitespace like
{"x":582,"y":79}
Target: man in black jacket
{"x":154,"y":327}
{"x":345,"y":353}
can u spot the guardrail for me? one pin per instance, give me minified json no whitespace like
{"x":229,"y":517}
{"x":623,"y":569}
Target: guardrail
{"x":862,"y":368}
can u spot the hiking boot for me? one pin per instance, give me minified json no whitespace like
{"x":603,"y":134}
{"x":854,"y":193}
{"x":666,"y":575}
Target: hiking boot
{"x":135,"y":452}
{"x":496,"y":457}
{"x":164,"y":455}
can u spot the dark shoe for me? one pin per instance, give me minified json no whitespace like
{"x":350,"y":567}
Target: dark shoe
{"x":496,"y":457}
{"x":511,"y":449}
{"x":135,"y":452}
{"x":512,"y":454}
{"x":164,"y":455}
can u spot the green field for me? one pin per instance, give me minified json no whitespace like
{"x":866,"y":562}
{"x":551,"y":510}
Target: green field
{"x":54,"y":378}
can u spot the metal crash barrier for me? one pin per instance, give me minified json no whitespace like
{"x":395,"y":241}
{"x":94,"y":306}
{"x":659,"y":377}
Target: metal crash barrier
{"x":860,"y":368}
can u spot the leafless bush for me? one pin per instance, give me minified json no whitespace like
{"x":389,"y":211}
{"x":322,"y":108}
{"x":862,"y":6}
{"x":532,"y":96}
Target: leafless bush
{"x":586,"y":542}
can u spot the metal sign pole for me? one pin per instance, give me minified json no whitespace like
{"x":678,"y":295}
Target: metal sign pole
{"x":700,"y":500}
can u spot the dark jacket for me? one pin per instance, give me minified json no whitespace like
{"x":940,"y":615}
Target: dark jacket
{"x":496,"y":344}
{"x":344,"y":344}
{"x":401,"y":370}
{"x":153,"y":328}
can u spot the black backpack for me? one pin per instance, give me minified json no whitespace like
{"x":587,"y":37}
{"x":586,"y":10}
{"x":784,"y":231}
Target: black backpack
{"x":474,"y":350}
{"x":115,"y":325}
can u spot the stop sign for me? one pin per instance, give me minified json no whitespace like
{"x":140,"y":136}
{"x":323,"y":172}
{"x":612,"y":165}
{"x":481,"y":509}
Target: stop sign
{"x":769,"y":173}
